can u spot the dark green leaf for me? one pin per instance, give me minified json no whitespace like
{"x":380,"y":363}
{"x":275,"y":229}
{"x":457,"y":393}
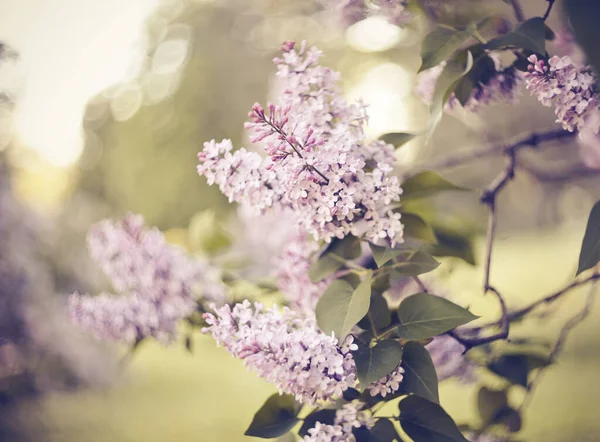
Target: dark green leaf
{"x":374,"y":363}
{"x":379,"y":313}
{"x":514,"y":368}
{"x":351,"y":394}
{"x":490,"y":403}
{"x":383,"y":254}
{"x":342,"y":306}
{"x":384,"y":431}
{"x":397,"y":139}
{"x":455,"y":68}
{"x":334,"y":256}
{"x":362,"y":434}
{"x":549,"y":33}
{"x":420,"y":377}
{"x":324,"y":416}
{"x":426,"y":184}
{"x":189,"y":344}
{"x":440,"y":44}
{"x":482,"y":72}
{"x":277,"y":416}
{"x":590,"y":247}
{"x":425,"y":421}
{"x":416,"y":227}
{"x":583,"y":17}
{"x":510,"y":418}
{"x":530,"y":36}
{"x":453,"y":243}
{"x":423,"y":315}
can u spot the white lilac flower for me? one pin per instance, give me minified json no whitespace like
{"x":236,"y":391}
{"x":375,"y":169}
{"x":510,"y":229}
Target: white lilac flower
{"x":318,"y":164}
{"x":158,"y":284}
{"x":349,"y":12}
{"x":286,"y":348}
{"x":568,"y":87}
{"x":387,"y":385}
{"x":349,"y":417}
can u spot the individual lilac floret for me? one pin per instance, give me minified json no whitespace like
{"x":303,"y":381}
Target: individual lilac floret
{"x":285,"y":349}
{"x":318,"y":165}
{"x":387,"y":385}
{"x":159,"y":284}
{"x":502,"y":87}
{"x":569,"y":87}
{"x":349,"y":12}
{"x":349,"y":417}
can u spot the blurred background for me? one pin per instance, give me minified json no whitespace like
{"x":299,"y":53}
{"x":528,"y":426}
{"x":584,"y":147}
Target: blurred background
{"x":103,"y":107}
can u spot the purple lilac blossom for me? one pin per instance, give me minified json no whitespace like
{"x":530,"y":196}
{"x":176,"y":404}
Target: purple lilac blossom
{"x":349,"y":12}
{"x":570,"y":88}
{"x":285,"y":348}
{"x":318,"y":164}
{"x":502,"y":87}
{"x":445,"y":351}
{"x":159,"y":284}
{"x":346,"y":419}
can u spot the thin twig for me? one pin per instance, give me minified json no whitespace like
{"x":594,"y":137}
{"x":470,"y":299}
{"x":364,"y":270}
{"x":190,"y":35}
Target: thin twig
{"x":517,"y":9}
{"x":548,"y":9}
{"x":422,"y":286}
{"x":560,"y":342}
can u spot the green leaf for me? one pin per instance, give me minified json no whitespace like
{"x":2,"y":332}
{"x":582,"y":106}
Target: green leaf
{"x":379,"y":313}
{"x":490,"y":403}
{"x":454,"y":244}
{"x":530,"y":36}
{"x":482,"y":72}
{"x":341,"y":307}
{"x":325,"y":416}
{"x":418,"y":263}
{"x":590,"y":247}
{"x":397,"y":139}
{"x":425,"y":421}
{"x":455,"y":68}
{"x":423,"y":315}
{"x":583,"y":17}
{"x":510,"y":418}
{"x":334,"y":256}
{"x":426,"y":184}
{"x":374,"y":363}
{"x":384,"y":431}
{"x":416,"y":227}
{"x":277,"y":416}
{"x":420,"y":376}
{"x":440,"y":44}
{"x":384,"y":254}
{"x":512,"y":367}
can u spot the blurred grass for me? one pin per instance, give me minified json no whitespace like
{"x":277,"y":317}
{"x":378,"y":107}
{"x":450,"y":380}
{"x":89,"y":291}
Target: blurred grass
{"x":167,"y":394}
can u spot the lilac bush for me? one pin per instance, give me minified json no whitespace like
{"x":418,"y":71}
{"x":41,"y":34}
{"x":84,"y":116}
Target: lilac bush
{"x":364,"y":318}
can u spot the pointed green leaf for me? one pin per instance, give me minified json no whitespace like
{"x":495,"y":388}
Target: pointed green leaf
{"x":418,"y":263}
{"x":440,"y":44}
{"x":341,"y":307}
{"x":277,"y":416}
{"x":384,"y":254}
{"x":416,"y":227}
{"x":426,"y":184}
{"x":420,"y":376}
{"x":423,"y":315}
{"x":425,"y":421}
{"x":397,"y":139}
{"x":384,"y":431}
{"x":530,"y":36}
{"x":374,"y":363}
{"x":512,"y":367}
{"x":453,"y":243}
{"x":489,"y":403}
{"x":589,"y":255}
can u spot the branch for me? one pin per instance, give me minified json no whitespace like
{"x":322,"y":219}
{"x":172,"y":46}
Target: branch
{"x":517,"y":9}
{"x":560,"y":342}
{"x":548,"y":9}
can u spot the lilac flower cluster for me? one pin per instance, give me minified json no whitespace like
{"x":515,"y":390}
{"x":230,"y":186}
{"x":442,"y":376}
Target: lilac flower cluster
{"x":318,"y":165}
{"x":285,"y":348}
{"x":502,"y":87}
{"x":159,"y":284}
{"x":388,"y":384}
{"x":569,"y":87}
{"x":349,"y":12}
{"x":346,"y":419}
